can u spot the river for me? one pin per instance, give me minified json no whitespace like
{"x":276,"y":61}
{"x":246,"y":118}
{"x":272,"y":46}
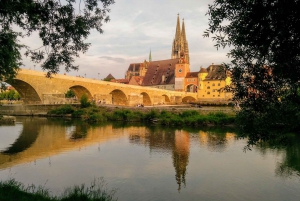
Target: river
{"x":148,"y":162}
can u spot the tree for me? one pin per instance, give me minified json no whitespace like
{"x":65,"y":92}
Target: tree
{"x":61,"y":27}
{"x":264,"y":37}
{"x":70,"y":94}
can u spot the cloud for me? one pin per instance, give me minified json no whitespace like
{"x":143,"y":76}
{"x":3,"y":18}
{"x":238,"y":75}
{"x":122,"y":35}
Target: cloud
{"x":116,"y":59}
{"x":135,"y":27}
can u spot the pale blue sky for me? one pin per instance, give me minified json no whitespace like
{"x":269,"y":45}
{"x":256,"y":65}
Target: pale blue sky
{"x":138,"y":25}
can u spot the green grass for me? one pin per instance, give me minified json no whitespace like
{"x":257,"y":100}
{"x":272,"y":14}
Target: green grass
{"x":194,"y":118}
{"x":11,"y":190}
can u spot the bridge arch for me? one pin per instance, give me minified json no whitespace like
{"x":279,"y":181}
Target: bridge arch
{"x":146,"y":99}
{"x":25,"y":140}
{"x":118,"y":97}
{"x":188,"y":99}
{"x":27,"y":92}
{"x":80,"y":90}
{"x":166,"y":99}
{"x":191,"y":88}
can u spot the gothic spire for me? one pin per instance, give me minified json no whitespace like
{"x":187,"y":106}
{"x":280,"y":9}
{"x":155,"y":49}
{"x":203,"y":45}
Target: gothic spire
{"x":150,"y":56}
{"x":177,"y":35}
{"x":183,"y":31}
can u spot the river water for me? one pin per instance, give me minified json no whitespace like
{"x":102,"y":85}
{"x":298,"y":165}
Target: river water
{"x":147,"y":162}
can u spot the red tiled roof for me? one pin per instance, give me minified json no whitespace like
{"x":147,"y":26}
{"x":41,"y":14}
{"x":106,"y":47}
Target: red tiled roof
{"x":191,"y":74}
{"x":136,"y":80}
{"x":216,"y":72}
{"x":124,"y":81}
{"x":159,"y":69}
{"x":134,"y":67}
{"x":109,"y":77}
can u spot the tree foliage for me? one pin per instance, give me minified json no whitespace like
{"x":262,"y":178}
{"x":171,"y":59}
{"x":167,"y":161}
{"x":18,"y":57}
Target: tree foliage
{"x":62,"y":26}
{"x":264,"y":41}
{"x":70,"y":94}
{"x":9,"y":95}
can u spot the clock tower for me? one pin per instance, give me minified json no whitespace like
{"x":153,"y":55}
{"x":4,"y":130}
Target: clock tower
{"x":181,"y":69}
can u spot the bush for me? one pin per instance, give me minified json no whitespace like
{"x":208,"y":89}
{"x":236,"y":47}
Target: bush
{"x":153,"y":114}
{"x":65,"y":109}
{"x":189,"y":113}
{"x":84,"y":101}
{"x":78,"y":113}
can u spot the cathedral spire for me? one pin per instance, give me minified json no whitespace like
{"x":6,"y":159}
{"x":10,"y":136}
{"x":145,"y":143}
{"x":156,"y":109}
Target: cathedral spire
{"x":178,"y":33}
{"x":150,"y":56}
{"x":180,"y":44}
{"x":183,"y":31}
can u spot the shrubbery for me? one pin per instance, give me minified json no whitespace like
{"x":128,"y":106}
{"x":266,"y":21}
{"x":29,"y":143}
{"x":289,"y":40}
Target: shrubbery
{"x":170,"y":118}
{"x":62,"y":110}
{"x":13,"y":190}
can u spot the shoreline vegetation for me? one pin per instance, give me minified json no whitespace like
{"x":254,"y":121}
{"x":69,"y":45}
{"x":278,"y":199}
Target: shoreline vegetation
{"x":166,"y":117}
{"x":12,"y":190}
{"x":92,"y":113}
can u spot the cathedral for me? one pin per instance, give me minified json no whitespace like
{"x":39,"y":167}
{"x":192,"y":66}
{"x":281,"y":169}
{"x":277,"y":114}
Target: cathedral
{"x":164,"y":74}
{"x":174,"y":73}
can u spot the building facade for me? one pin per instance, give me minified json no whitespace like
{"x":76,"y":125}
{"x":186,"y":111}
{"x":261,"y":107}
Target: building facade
{"x":212,"y":81}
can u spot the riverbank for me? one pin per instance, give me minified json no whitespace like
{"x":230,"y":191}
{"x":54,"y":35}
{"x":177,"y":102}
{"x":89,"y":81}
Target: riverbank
{"x":7,"y":120}
{"x":12,"y":190}
{"x":162,"y":116}
{"x":42,"y":110}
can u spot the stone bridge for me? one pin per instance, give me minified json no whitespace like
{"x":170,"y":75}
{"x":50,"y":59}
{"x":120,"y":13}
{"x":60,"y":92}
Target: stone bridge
{"x":35,"y":88}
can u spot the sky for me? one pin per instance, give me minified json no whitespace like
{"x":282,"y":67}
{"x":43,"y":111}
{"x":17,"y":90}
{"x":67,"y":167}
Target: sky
{"x":138,"y":26}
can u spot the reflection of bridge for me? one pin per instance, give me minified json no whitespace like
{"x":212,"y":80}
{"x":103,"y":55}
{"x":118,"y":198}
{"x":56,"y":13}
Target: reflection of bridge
{"x":34,"y":87}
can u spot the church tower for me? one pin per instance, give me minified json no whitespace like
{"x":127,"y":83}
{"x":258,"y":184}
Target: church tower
{"x":180,"y":44}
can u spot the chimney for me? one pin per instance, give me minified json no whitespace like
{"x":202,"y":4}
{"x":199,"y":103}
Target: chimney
{"x":211,"y":67}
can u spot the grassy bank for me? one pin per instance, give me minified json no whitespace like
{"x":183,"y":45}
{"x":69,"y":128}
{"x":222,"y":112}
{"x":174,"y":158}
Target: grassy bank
{"x":162,"y":117}
{"x":12,"y":190}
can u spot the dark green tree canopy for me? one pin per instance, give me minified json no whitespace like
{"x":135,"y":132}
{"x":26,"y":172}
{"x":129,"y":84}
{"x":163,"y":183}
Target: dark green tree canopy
{"x":62,"y":25}
{"x":264,"y":41}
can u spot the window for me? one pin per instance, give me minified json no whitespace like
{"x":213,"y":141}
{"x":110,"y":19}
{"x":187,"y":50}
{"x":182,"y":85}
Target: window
{"x":213,"y":85}
{"x":218,"y":95}
{"x":213,"y":95}
{"x":208,"y":92}
{"x":213,"y":90}
{"x":219,"y":84}
{"x":208,"y":87}
{"x":202,"y":95}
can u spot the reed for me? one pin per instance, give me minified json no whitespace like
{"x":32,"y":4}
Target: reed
{"x":12,"y":190}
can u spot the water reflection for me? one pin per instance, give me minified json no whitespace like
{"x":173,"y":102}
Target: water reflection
{"x":177,"y":143}
{"x":290,"y":165}
{"x":43,"y":138}
{"x":27,"y":137}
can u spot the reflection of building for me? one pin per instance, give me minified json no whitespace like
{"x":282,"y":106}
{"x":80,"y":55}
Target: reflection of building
{"x":175,"y":143}
{"x":215,"y":141}
{"x":180,"y":156}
